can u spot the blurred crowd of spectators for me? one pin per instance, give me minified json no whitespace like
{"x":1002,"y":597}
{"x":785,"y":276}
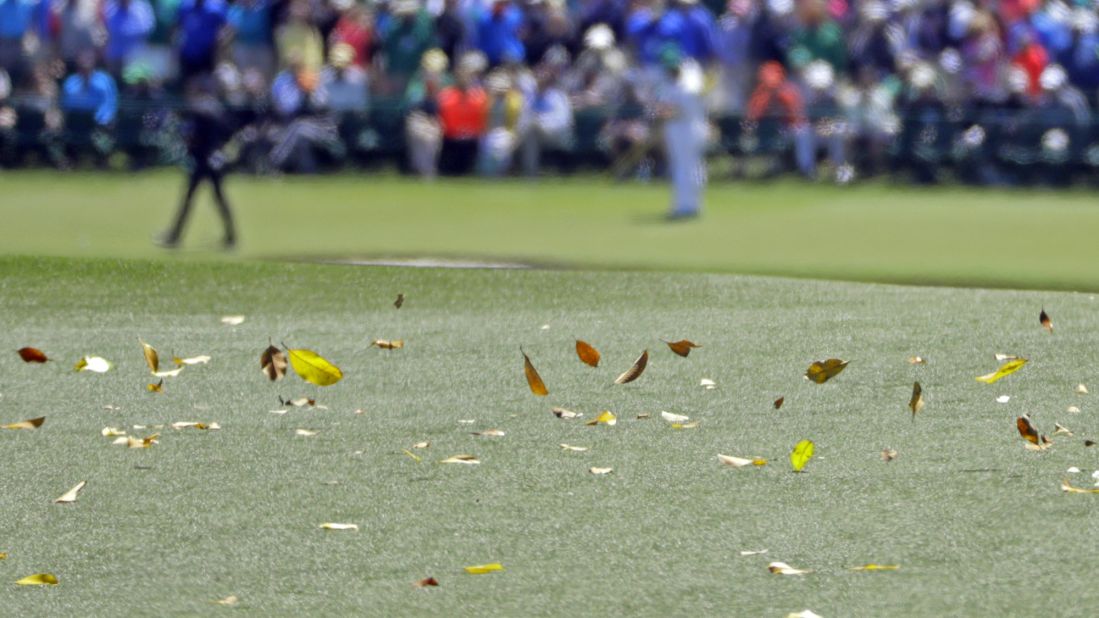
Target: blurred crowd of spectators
{"x":995,"y":88}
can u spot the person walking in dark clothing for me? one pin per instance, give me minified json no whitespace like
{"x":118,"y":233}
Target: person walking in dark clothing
{"x":206,"y":130}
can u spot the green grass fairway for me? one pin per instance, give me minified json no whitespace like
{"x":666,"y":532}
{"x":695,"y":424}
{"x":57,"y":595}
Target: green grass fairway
{"x":977,"y":523}
{"x":954,"y":236}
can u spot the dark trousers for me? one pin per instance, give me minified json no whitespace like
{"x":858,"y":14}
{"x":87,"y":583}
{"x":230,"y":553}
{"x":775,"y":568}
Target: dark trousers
{"x":200,"y":172}
{"x":458,"y":156}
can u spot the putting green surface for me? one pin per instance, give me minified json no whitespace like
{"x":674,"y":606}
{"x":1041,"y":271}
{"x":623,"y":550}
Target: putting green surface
{"x":872,"y":232}
{"x":977,"y":524}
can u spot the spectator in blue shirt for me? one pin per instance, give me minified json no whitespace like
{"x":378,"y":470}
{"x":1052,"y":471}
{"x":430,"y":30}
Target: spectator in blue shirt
{"x":90,"y":90}
{"x":15,"y":20}
{"x":689,"y":26}
{"x":129,"y":24}
{"x":498,"y":33}
{"x":253,"y":46}
{"x":200,"y":28}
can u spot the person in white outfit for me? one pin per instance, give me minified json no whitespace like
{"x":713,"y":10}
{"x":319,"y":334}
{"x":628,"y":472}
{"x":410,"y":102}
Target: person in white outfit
{"x":679,"y":105}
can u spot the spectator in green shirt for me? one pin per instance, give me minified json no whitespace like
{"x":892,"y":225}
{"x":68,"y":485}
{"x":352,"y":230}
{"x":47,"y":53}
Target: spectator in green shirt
{"x":817,"y":37}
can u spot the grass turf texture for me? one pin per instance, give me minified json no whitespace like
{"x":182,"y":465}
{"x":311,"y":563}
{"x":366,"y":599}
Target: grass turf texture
{"x":977,"y":523}
{"x":950,"y":235}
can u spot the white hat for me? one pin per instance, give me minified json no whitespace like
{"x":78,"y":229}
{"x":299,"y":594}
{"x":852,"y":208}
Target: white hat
{"x":1053,"y":77}
{"x":922,"y":76}
{"x":819,"y":75}
{"x":1085,"y":20}
{"x":599,"y":37}
{"x":1017,"y":80}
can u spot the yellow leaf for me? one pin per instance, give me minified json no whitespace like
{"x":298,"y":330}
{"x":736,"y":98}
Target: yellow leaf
{"x":481,"y":569}
{"x":537,"y":386}
{"x":781,"y":568}
{"x":95,"y":364}
{"x":1065,"y":487}
{"x":601,"y":471}
{"x":635,"y":371}
{"x":916,"y":402}
{"x":876,"y":567}
{"x":822,"y":371}
{"x":588,"y":355}
{"x":801,"y":454}
{"x":469,"y":460}
{"x":414,"y":456}
{"x":30,"y":423}
{"x":331,"y":526}
{"x":682,"y":347}
{"x":1006,"y":369}
{"x":273,"y":363}
{"x":70,"y":496}
{"x":3,"y":555}
{"x":151,"y":357}
{"x":605,"y":418}
{"x":386,"y":344}
{"x":38,"y":579}
{"x":691,"y":425}
{"x":313,"y":368}
{"x":155,"y":388}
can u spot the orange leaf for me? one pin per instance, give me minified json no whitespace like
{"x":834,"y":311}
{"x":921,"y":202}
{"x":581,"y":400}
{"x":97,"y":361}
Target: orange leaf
{"x":537,"y":386}
{"x":1026,"y":429}
{"x":587,"y":354}
{"x":1043,"y":319}
{"x":682,"y":347}
{"x":32,"y":355}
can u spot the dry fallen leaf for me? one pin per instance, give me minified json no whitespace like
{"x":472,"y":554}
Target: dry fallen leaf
{"x":563,"y":413}
{"x":876,"y":567}
{"x":1073,"y":409}
{"x":228,"y":601}
{"x":575,"y":449}
{"x":643,"y":416}
{"x":426,"y":582}
{"x":387,"y":344}
{"x":1003,"y":399}
{"x":424,"y":444}
{"x":822,"y":371}
{"x":588,"y":354}
{"x":146,"y":442}
{"x":805,"y":613}
{"x":314,"y":368}
{"x":916,"y":402}
{"x":674,"y":418}
{"x":690,"y":425}
{"x":194,"y":360}
{"x":917,"y":360}
{"x":273,"y":363}
{"x":1061,"y":430}
{"x":1043,"y":319}
{"x":152,"y":359}
{"x":3,"y":555}
{"x":413,"y":456}
{"x":1006,"y":369}
{"x":707,"y":384}
{"x":400,"y":301}
{"x":888,"y":454}
{"x":1006,"y":357}
{"x":331,"y":526}
{"x":635,"y":371}
{"x":1088,"y":443}
{"x":305,"y":432}
{"x":1027,"y":430}
{"x":169,"y":374}
{"x":778,"y":402}
{"x":490,"y":433}
{"x":537,"y":386}
{"x":32,"y":355}
{"x":481,"y":569}
{"x":299,"y":402}
{"x":740,"y":462}
{"x":1081,"y":389}
{"x":194,"y":425}
{"x":606,"y":417}
{"x":95,"y":364}
{"x":753,"y":552}
{"x":30,"y":423}
{"x":112,"y":432}
{"x":1066,"y":487}
{"x":232,"y":320}
{"x":70,"y":496}
{"x":155,"y":388}
{"x":600,"y":471}
{"x":469,"y":460}
{"x":38,"y":579}
{"x":781,"y":568}
{"x":682,"y":347}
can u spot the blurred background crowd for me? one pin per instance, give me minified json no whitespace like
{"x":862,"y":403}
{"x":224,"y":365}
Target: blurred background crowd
{"x":978,"y":91}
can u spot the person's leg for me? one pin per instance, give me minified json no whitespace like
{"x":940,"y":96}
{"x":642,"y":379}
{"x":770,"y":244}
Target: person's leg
{"x":230,"y":238}
{"x":171,"y":238}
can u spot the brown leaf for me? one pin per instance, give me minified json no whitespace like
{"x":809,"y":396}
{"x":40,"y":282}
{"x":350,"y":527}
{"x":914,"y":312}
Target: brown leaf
{"x":273,"y":363}
{"x":682,"y":347}
{"x":916,"y":402}
{"x":387,"y":344}
{"x":888,"y":454}
{"x":779,"y":402}
{"x":537,"y":386}
{"x":587,"y":354}
{"x":1026,"y":429}
{"x":822,"y":371}
{"x":32,"y":355}
{"x":1066,"y":487}
{"x":563,"y":413}
{"x":400,"y":301}
{"x":1043,"y":319}
{"x":31,"y":423}
{"x":634,"y":372}
{"x":427,"y":581}
{"x":1088,"y":443}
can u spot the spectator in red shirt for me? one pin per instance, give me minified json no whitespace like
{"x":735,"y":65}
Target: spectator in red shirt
{"x":463,"y":111}
{"x":356,"y":29}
